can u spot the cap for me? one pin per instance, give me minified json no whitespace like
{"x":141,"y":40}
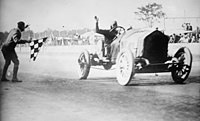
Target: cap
{"x":21,"y":24}
{"x":115,"y":23}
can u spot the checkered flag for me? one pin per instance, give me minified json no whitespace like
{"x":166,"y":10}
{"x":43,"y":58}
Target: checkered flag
{"x":35,"y":46}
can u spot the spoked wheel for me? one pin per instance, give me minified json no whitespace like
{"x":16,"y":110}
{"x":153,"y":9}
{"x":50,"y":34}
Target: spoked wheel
{"x":181,"y":71}
{"x":125,"y":67}
{"x":84,"y":64}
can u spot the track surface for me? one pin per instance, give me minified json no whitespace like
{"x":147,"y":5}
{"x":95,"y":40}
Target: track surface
{"x":51,"y":91}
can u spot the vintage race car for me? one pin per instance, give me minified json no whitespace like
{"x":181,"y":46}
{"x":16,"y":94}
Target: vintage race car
{"x":139,"y":51}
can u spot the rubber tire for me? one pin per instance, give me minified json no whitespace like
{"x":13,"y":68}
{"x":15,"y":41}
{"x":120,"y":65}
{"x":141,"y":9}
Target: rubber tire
{"x":84,"y":64}
{"x":125,"y":67}
{"x":178,"y":79}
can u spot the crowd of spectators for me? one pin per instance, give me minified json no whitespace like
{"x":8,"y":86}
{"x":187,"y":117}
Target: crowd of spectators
{"x":187,"y":26}
{"x":188,"y":36}
{"x":184,"y":38}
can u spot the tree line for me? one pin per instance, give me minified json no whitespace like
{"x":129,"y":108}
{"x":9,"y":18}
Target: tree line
{"x":47,"y":33}
{"x":150,"y":14}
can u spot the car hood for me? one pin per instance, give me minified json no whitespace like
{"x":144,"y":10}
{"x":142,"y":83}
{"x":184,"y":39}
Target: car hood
{"x":134,"y":40}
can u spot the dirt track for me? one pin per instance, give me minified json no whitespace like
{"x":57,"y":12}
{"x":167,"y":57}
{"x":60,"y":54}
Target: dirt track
{"x":51,"y":91}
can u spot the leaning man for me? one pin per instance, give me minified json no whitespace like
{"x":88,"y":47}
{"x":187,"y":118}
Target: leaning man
{"x":8,"y":50}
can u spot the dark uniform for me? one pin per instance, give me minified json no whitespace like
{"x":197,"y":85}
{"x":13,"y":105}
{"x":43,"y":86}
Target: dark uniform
{"x":8,"y":50}
{"x":110,"y":35}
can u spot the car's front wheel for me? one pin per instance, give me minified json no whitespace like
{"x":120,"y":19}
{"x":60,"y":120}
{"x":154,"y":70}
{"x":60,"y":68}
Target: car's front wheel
{"x":125,"y":67}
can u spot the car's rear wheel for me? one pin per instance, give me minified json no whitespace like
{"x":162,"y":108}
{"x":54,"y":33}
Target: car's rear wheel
{"x":125,"y":67}
{"x":181,"y":71}
{"x":84,"y":64}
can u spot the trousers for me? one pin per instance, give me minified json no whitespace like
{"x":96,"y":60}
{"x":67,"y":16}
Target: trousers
{"x":10,"y":55}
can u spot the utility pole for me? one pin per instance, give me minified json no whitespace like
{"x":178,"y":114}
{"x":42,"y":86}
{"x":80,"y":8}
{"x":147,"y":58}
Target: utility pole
{"x":63,"y":36}
{"x":184,"y":17}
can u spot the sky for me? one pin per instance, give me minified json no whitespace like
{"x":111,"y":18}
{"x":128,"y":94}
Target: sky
{"x":77,"y":14}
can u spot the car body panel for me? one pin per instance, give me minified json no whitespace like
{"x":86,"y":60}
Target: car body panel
{"x":134,"y":40}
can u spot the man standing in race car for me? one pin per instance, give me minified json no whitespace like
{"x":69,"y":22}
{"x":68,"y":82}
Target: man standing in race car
{"x":8,"y":50}
{"x":110,"y":35}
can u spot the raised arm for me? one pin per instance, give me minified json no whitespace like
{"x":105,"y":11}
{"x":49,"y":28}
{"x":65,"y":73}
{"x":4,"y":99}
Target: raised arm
{"x":97,"y":24}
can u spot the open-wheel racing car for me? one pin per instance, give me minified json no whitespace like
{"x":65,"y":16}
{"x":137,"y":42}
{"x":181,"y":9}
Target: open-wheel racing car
{"x":139,"y":51}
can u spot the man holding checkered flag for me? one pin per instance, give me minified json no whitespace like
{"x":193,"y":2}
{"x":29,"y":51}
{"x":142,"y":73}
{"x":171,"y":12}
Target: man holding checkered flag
{"x":9,"y":53}
{"x":8,"y":50}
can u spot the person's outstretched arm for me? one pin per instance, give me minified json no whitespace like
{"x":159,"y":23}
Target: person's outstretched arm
{"x":101,"y":31}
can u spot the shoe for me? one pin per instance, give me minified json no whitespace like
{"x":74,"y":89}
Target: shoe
{"x":5,"y":80}
{"x":16,"y":80}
